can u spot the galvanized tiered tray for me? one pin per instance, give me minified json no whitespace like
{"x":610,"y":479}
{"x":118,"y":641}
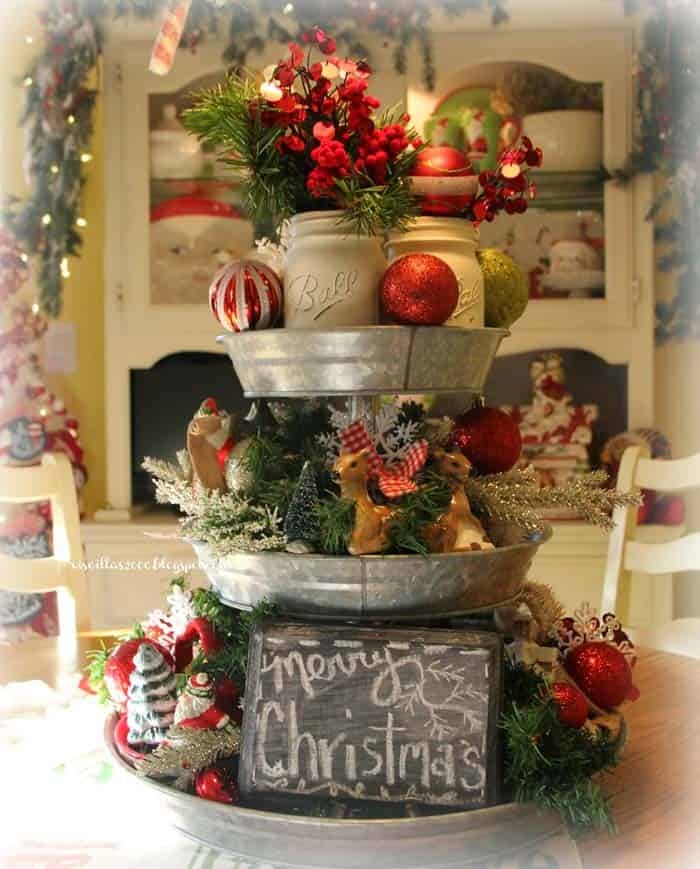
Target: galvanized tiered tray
{"x":367,"y":360}
{"x":376,"y":587}
{"x":497,"y":836}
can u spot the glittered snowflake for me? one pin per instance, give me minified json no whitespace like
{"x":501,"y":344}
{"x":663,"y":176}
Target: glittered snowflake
{"x":169,"y":623}
{"x":585,"y":626}
{"x":392,"y":434}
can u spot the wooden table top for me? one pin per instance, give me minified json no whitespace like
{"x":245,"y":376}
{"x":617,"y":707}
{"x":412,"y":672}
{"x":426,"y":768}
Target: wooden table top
{"x":655,"y":791}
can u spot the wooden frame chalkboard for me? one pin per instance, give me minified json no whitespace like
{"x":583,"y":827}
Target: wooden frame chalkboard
{"x":394,"y":715}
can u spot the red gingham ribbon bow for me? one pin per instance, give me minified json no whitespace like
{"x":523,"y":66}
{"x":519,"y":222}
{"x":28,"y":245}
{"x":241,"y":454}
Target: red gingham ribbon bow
{"x":395,"y":480}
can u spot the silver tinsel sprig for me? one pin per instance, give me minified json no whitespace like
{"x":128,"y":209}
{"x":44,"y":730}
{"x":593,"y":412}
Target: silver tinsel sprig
{"x":187,"y":751}
{"x":517,"y":497}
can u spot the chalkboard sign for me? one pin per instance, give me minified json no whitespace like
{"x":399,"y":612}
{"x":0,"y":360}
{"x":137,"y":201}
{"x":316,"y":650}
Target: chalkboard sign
{"x":396,"y":715}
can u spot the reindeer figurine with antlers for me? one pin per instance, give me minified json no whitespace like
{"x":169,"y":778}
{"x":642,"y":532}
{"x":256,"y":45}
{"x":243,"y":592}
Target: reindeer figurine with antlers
{"x":370,"y":534}
{"x":458,"y":529}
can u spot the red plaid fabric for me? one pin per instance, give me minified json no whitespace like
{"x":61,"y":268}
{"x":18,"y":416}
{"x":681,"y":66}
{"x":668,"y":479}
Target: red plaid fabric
{"x":355,"y":438}
{"x":396,"y":480}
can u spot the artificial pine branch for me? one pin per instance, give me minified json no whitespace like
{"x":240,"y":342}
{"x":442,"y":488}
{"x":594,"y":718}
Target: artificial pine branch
{"x":233,"y":628}
{"x":548,"y":763}
{"x":336,"y":518}
{"x":416,"y":511}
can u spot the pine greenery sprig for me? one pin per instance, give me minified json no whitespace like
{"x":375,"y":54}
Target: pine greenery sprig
{"x":97,"y":659}
{"x":552,"y":765}
{"x":233,"y":628}
{"x":548,"y":763}
{"x":336,"y":518}
{"x":416,"y":511}
{"x":222,"y":118}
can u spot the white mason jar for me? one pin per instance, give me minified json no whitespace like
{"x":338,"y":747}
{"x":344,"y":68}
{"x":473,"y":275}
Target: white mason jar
{"x":455,"y":241}
{"x":332,"y":274}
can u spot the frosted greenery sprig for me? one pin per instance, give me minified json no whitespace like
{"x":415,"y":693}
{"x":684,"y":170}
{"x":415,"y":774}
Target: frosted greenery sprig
{"x":517,"y":497}
{"x":227,"y":521}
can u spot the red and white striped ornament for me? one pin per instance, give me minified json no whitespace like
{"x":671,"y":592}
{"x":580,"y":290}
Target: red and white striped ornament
{"x":244,"y":295}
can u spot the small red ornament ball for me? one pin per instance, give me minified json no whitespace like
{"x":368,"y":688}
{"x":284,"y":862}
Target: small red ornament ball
{"x":444,"y":180}
{"x":602,"y":672}
{"x":419,"y":289}
{"x":572,"y":706}
{"x":215,"y":784}
{"x":245,"y":294}
{"x":489,"y":438}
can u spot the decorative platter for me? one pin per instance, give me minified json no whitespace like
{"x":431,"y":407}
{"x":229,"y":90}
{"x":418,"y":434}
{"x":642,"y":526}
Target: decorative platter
{"x":376,"y":587}
{"x":284,"y":841}
{"x":367,"y":360}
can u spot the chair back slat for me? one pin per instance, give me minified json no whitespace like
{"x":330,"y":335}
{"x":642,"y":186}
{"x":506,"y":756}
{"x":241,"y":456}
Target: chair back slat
{"x":627,"y":555}
{"x":676,"y":556}
{"x":672,"y":475}
{"x":51,"y":481}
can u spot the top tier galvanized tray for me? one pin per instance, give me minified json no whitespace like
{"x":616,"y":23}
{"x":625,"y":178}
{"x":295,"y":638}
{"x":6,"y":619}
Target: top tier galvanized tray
{"x":366,"y":360}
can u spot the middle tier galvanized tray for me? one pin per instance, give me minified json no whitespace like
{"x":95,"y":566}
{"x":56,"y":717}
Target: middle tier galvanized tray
{"x":376,"y":587}
{"x":366,"y":360}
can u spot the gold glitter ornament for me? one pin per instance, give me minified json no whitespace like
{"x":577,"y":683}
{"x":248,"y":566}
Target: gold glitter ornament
{"x":505,"y":288}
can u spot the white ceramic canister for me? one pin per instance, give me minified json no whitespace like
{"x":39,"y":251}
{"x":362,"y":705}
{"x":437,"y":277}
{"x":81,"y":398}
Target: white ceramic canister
{"x":332,"y":274}
{"x":455,"y":241}
{"x":572,"y":140}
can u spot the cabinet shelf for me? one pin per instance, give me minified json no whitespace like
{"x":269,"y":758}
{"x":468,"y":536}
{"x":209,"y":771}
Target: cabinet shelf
{"x":564,"y":191}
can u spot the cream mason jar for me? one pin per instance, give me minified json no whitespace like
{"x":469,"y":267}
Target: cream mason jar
{"x":332,"y":275}
{"x":455,"y":241}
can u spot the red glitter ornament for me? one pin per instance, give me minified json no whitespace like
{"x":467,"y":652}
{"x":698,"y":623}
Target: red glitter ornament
{"x":245,"y":294}
{"x":444,"y":179}
{"x":489,"y":438}
{"x":602,"y":672}
{"x":215,"y":784}
{"x":572,"y":706}
{"x":419,"y":289}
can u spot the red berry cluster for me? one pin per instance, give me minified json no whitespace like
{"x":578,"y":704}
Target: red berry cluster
{"x":325,"y":117}
{"x":506,"y":188}
{"x":378,"y":147}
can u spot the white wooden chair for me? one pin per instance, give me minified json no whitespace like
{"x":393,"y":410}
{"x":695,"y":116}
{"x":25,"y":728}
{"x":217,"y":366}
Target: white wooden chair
{"x":627,"y":555}
{"x":52,"y":481}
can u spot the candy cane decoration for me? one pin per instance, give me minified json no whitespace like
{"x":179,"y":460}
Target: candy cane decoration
{"x":168,"y":38}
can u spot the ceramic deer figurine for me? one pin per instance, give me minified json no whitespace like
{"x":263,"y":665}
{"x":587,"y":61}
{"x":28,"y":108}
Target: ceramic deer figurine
{"x":207,"y":433}
{"x":458,"y":529}
{"x":369,"y":535}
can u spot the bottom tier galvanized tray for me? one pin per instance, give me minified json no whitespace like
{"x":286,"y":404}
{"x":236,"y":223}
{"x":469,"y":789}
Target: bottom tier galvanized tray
{"x":375,"y":587}
{"x":503,"y":836}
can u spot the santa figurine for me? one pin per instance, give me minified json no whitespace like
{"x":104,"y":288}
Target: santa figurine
{"x":196,"y":706}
